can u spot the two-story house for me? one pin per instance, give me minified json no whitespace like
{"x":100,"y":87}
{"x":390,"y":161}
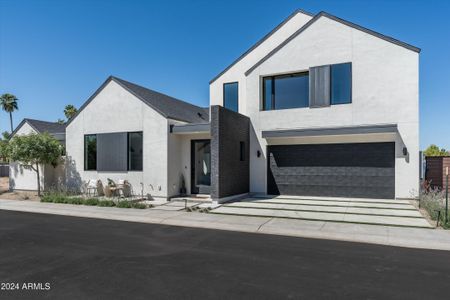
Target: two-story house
{"x":318,"y":107}
{"x":333,"y":108}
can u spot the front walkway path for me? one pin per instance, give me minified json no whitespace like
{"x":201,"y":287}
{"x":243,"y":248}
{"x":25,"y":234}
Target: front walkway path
{"x":376,"y":234}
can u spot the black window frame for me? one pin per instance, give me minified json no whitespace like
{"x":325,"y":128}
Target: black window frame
{"x":223,"y":95}
{"x":351,"y":83}
{"x":128,"y":152}
{"x":85,"y":152}
{"x":273,"y":99}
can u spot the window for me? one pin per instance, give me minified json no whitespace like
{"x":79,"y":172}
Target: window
{"x":90,"y":152}
{"x":113,"y":152}
{"x":230,"y":96}
{"x":135,"y":152}
{"x":286,"y":91}
{"x":242,"y":151}
{"x":341,"y":83}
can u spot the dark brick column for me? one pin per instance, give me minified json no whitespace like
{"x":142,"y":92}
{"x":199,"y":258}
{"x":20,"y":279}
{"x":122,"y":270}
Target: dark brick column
{"x":229,"y":171}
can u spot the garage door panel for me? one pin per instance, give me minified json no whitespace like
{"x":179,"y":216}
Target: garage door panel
{"x":340,"y":170}
{"x":352,"y":171}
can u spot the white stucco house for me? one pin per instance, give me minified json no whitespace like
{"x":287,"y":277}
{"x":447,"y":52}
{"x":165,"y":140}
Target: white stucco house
{"x":23,"y":178}
{"x":318,"y":107}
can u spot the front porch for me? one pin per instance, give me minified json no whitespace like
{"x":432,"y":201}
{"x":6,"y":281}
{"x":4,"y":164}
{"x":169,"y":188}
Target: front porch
{"x":210,"y":158}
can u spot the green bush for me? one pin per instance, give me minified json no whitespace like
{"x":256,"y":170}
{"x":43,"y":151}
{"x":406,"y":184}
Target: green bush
{"x":139,"y":205}
{"x":53,"y":197}
{"x":107,"y":203}
{"x":58,"y":197}
{"x":73,"y":200}
{"x":434,"y":201}
{"x":91,"y":202}
{"x":124,"y":204}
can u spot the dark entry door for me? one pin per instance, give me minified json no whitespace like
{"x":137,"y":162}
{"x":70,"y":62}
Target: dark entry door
{"x":362,"y":170}
{"x":200,"y":166}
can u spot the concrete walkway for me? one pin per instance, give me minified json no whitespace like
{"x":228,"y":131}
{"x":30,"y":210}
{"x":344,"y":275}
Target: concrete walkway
{"x":376,"y":234}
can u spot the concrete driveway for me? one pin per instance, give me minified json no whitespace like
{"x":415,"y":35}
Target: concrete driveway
{"x":347,"y":210}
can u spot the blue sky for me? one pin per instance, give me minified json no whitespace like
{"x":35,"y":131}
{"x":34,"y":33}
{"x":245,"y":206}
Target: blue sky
{"x":54,"y":53}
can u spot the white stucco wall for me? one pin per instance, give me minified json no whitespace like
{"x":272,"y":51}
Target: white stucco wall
{"x":20,"y":177}
{"x":114,"y":109}
{"x":384,"y":91}
{"x":236,"y":72}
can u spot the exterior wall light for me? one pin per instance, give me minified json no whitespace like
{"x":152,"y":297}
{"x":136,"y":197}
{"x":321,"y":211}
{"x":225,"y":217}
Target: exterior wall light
{"x":405,"y":151}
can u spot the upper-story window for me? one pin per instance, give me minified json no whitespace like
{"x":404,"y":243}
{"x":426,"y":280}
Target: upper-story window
{"x":231,"y":96}
{"x":320,"y":87}
{"x":286,"y":91}
{"x":341,"y":83}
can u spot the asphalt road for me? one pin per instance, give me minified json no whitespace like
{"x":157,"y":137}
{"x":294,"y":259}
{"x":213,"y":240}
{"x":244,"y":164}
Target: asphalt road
{"x":87,"y":258}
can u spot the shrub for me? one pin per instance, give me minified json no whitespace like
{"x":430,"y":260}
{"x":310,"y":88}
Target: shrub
{"x":139,"y":205}
{"x":53,"y":197}
{"x":124,"y":204}
{"x":91,"y":201}
{"x":433,"y":201}
{"x":107,"y":203}
{"x":76,"y":201}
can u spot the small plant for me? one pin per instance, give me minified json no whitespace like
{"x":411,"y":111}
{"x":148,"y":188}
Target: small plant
{"x":91,"y":201}
{"x":434,"y":201}
{"x":139,"y":205}
{"x":54,"y":197}
{"x":107,"y":203}
{"x":73,"y":200}
{"x":124,"y":204}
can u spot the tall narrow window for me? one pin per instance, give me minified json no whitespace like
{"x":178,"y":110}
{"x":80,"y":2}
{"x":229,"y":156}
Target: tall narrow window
{"x":242,"y":151}
{"x":90,"y":152}
{"x":231,"y":96}
{"x":135,"y":151}
{"x":341,"y":83}
{"x":286,"y":91}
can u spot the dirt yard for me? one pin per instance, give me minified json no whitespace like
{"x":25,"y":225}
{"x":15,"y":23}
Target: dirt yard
{"x":16,"y":195}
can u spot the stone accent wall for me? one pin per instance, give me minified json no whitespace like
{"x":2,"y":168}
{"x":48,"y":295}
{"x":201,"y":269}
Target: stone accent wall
{"x":229,"y":174}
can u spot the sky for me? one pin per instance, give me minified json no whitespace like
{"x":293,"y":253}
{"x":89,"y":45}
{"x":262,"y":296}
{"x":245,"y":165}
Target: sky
{"x":58,"y":52}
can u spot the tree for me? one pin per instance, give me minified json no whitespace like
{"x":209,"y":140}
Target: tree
{"x":70,"y":111}
{"x":6,"y":135}
{"x":8,"y":103}
{"x":34,"y":150}
{"x":434,"y":150}
{"x":61,"y":121}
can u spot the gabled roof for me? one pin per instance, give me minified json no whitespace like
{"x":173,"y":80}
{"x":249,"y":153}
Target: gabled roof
{"x":39,"y":126}
{"x":342,"y":21}
{"x":165,"y":105}
{"x":261,"y":41}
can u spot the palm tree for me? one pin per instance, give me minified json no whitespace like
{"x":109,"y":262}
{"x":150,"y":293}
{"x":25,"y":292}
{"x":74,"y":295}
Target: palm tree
{"x":8,"y":102}
{"x":70,"y":111}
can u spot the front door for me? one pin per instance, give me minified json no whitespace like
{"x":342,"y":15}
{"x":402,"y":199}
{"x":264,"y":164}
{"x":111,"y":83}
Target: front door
{"x":200,"y":166}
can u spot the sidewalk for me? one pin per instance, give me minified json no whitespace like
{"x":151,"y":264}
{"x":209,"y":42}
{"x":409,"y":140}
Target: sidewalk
{"x":375,"y":234}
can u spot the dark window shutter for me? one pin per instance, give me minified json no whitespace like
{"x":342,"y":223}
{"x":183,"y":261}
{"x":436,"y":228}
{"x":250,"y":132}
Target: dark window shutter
{"x":319,"y":86}
{"x":112,"y":152}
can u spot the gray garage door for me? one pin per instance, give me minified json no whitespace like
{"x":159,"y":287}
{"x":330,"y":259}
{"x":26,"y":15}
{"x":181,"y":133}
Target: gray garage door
{"x":363,"y":170}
